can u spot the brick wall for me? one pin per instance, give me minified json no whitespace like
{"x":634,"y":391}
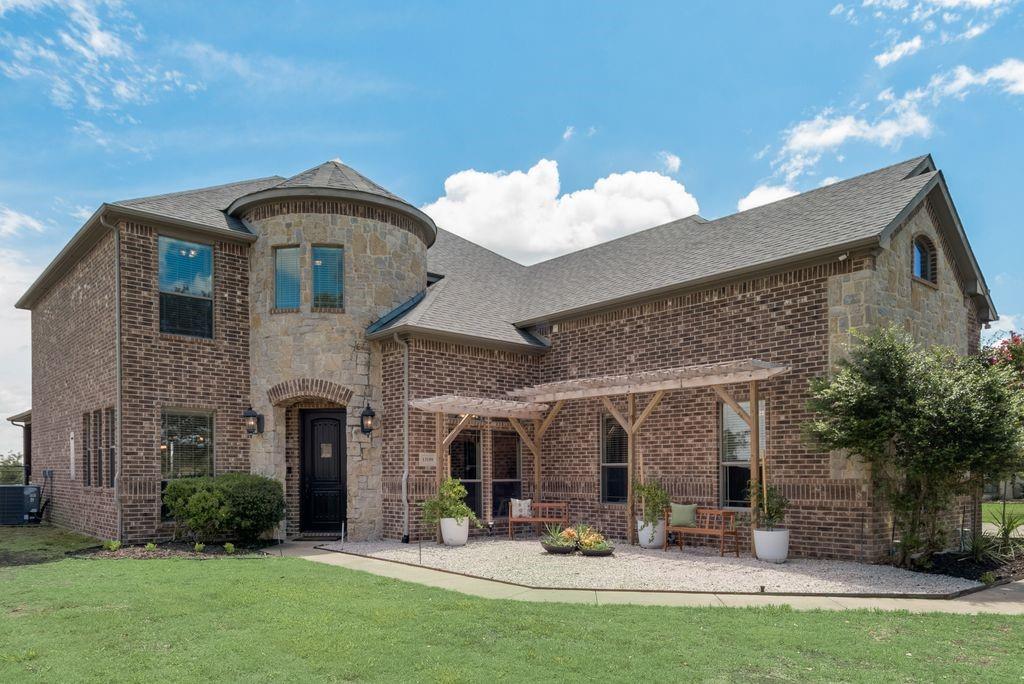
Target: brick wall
{"x":74,"y":371}
{"x":162,"y":371}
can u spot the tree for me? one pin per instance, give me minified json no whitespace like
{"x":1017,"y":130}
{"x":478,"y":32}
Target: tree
{"x":12,"y":470}
{"x":929,"y":423}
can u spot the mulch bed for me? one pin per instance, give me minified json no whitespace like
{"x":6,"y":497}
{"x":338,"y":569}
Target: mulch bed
{"x":958,"y":565}
{"x":169,"y":550}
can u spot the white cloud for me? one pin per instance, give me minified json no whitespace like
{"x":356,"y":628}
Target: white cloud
{"x":898,"y":52}
{"x":16,"y":274}
{"x":826,"y":131}
{"x":830,"y":180}
{"x":82,"y":213}
{"x":764,"y":194}
{"x":670,"y":161}
{"x":13,"y":222}
{"x":523,"y":215}
{"x":568,"y":132}
{"x":1001,"y":329}
{"x":1008,"y":75}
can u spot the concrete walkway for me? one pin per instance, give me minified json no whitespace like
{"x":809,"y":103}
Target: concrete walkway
{"x":1007,"y":599}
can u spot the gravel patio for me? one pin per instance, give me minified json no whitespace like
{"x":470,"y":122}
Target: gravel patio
{"x":633,"y":568}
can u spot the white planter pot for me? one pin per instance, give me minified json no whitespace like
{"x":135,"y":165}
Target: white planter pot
{"x":772,"y":545}
{"x":455,"y":531}
{"x":644,"y":536}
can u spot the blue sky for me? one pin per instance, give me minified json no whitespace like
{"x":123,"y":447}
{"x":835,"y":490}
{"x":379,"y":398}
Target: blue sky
{"x":555,"y":125}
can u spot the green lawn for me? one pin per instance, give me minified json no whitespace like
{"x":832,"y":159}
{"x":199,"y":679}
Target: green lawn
{"x":38,"y":544}
{"x":991,"y":509}
{"x":282,"y":619}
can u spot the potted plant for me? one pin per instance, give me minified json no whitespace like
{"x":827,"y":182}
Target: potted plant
{"x":650,"y":526}
{"x":558,"y":540}
{"x":592,"y":543}
{"x":770,"y":541}
{"x":450,"y":510}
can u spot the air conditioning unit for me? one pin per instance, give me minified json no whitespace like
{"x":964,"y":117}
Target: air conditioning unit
{"x":19,"y":504}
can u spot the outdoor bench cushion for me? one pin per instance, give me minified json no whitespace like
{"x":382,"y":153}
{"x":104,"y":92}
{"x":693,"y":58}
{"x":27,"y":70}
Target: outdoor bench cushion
{"x":520,"y":508}
{"x":684,"y":515}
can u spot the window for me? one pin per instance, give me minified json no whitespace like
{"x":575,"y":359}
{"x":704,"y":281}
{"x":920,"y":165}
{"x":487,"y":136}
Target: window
{"x":506,"y":479}
{"x":465,"y":458}
{"x":111,"y":445}
{"x":186,"y":445}
{"x":86,"y":446}
{"x":286,"y":278}
{"x":613,"y":461}
{"x":186,"y":288}
{"x":97,"y":445}
{"x":925,"y":259}
{"x":735,"y":455}
{"x":328,"y":277}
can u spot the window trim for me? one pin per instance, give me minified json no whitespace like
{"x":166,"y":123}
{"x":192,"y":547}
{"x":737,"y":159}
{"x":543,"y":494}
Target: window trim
{"x":602,"y":464}
{"x":931,"y":276}
{"x":312,"y":278}
{"x":189,"y":412}
{"x":723,"y":464}
{"x":274,"y":306}
{"x":213,"y":288}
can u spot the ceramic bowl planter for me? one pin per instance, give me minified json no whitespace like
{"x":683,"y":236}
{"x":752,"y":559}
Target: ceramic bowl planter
{"x":555,"y":548}
{"x":772,"y":545}
{"x":650,"y":536}
{"x":455,"y":531}
{"x":598,"y":552}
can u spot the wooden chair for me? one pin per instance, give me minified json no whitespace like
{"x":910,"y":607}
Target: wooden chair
{"x":711,"y":522}
{"x":547,"y":512}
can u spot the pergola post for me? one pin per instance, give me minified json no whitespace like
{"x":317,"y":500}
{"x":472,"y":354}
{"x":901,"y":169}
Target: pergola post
{"x":755,"y":458}
{"x":630,"y":448}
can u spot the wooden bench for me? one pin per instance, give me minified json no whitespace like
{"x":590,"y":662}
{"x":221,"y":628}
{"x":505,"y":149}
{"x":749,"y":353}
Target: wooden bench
{"x":543,"y":512}
{"x":711,"y":522}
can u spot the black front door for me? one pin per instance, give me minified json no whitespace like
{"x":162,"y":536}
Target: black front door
{"x":323,"y":470}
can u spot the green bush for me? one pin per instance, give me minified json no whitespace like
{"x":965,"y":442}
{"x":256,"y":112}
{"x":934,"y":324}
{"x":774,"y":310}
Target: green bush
{"x":111,"y":545}
{"x":235,"y":506}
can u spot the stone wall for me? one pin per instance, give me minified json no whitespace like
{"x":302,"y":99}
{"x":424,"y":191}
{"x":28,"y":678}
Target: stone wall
{"x":74,"y":371}
{"x":384,"y":265}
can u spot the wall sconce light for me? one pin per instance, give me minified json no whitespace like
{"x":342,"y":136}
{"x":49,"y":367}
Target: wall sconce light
{"x":367,"y":420}
{"x":253,"y":422}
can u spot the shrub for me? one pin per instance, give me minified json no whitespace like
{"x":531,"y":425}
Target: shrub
{"x":111,"y":545}
{"x":150,"y":546}
{"x":229,"y":548}
{"x":450,"y":502}
{"x":771,"y":504}
{"x":199,"y":547}
{"x":237,"y":506}
{"x":254,"y":504}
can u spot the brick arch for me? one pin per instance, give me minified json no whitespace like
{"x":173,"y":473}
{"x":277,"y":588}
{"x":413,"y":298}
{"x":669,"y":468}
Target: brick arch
{"x":291,"y":391}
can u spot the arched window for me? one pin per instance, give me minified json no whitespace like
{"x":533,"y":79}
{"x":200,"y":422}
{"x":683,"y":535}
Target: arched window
{"x":925,"y":261}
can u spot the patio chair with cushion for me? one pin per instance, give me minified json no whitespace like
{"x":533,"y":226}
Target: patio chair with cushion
{"x":695,"y":520}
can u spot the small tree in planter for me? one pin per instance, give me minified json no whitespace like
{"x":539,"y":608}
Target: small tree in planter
{"x":650,"y":526}
{"x":770,"y":541}
{"x":450,"y":510}
{"x":929,"y":424}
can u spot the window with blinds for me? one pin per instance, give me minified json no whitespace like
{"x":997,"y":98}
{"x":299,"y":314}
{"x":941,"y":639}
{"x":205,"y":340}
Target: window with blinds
{"x":328,"y":278}
{"x":735,"y":454}
{"x":286,"y":278}
{"x":613,"y":461}
{"x":186,"y":287}
{"x":186,"y":444}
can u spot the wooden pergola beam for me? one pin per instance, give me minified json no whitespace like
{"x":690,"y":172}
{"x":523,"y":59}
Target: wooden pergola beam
{"x":733,"y":404}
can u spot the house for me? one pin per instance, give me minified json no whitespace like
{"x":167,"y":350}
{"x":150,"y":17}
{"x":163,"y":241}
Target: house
{"x":171,"y":327}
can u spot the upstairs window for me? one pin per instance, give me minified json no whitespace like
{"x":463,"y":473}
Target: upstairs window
{"x":186,"y":288}
{"x":925,"y":260}
{"x":613,"y":461}
{"x":286,"y":278}
{"x":328,"y":278}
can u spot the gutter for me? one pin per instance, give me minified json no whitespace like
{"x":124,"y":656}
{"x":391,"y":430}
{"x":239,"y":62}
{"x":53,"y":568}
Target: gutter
{"x":405,"y":437}
{"x":117,"y":361}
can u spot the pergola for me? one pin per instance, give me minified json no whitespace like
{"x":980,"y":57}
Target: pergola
{"x":540,"y":405}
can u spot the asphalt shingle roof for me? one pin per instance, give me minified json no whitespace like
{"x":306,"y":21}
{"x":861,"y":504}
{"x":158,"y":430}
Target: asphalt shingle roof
{"x":484,"y":294}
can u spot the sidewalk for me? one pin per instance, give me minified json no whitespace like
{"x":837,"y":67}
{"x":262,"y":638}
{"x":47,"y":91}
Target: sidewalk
{"x":1006,"y":599}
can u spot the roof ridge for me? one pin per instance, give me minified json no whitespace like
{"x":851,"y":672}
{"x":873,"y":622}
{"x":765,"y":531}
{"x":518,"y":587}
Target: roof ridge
{"x":192,"y":190}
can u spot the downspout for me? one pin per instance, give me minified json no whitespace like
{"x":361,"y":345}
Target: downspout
{"x":405,"y":437}
{"x":117,"y":361}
